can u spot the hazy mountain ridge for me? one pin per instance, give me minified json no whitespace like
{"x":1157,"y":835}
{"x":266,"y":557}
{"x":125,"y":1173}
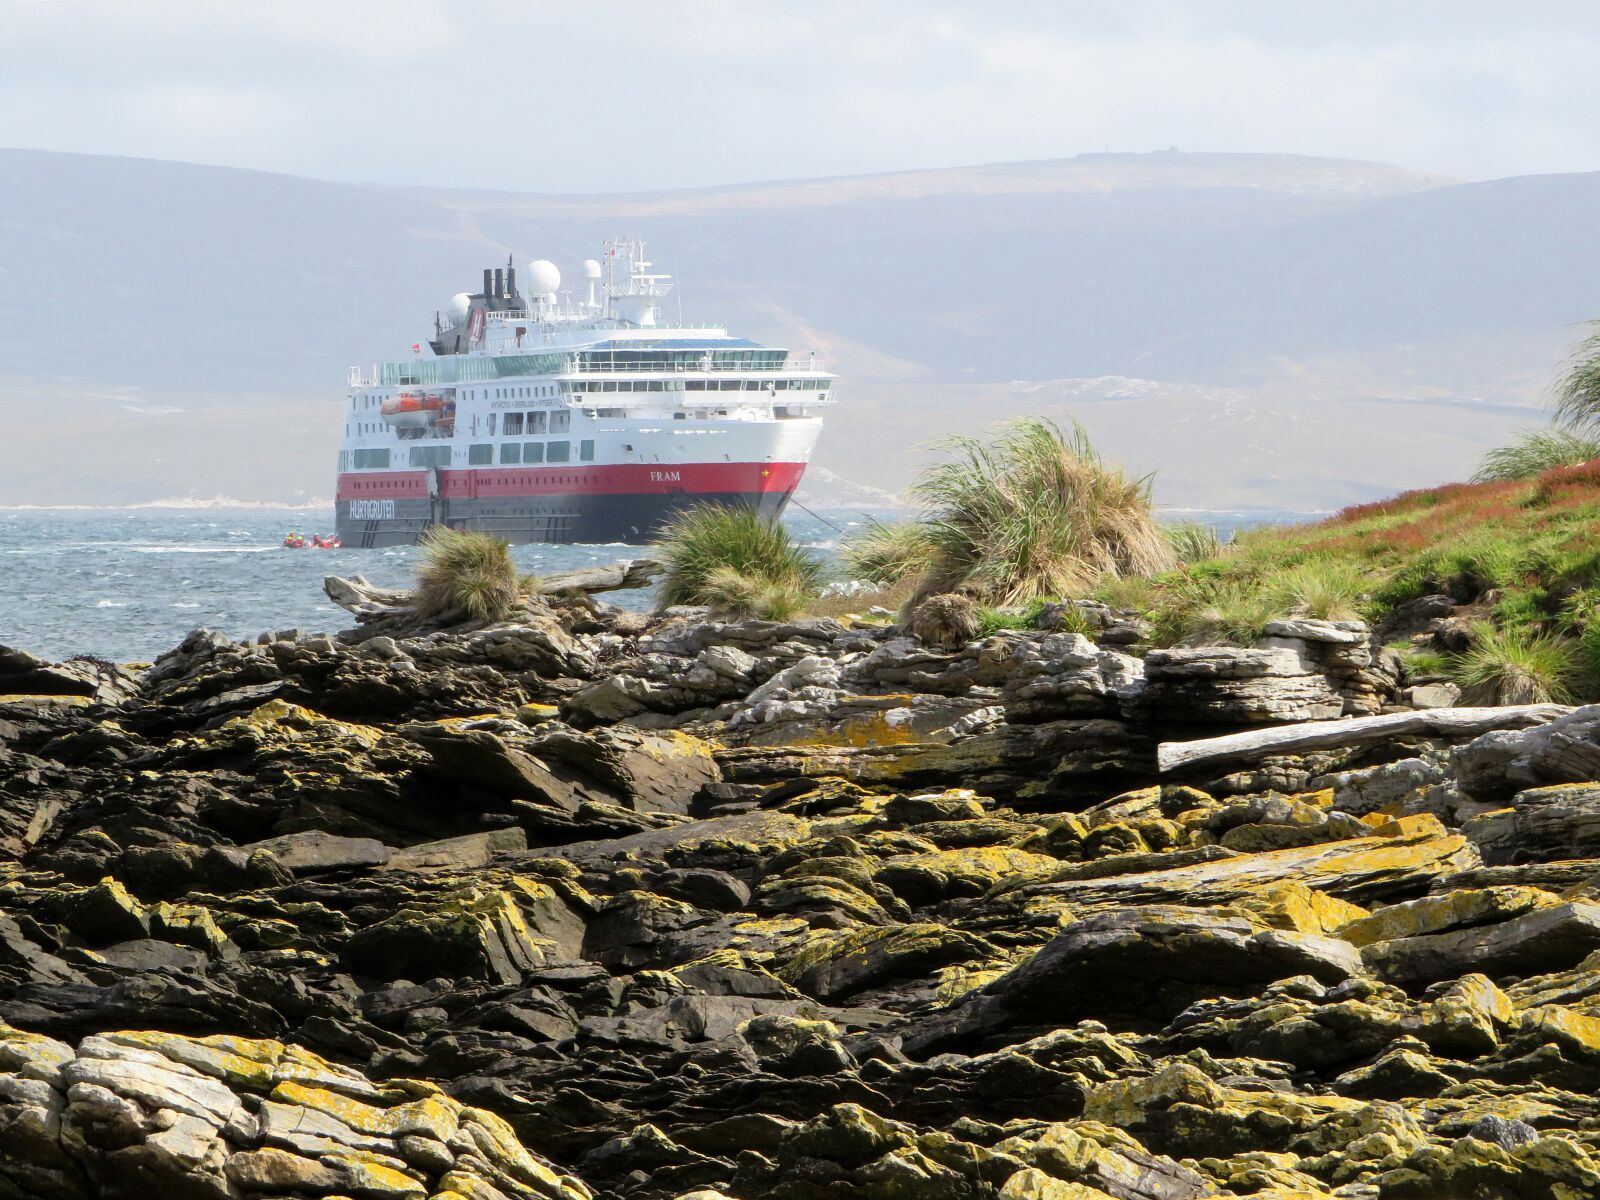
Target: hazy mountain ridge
{"x":176,"y":328}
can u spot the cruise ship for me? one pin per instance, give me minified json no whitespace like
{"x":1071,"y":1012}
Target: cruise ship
{"x":541,"y":416}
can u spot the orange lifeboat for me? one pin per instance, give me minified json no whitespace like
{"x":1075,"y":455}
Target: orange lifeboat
{"x":411,"y":410}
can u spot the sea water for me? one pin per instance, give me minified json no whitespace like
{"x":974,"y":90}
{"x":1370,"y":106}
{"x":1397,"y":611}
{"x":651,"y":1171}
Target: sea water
{"x":127,"y":584}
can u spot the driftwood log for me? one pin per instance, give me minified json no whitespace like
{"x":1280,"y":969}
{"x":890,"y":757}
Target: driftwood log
{"x":369,"y":602}
{"x":618,"y":576}
{"x":1323,"y":735}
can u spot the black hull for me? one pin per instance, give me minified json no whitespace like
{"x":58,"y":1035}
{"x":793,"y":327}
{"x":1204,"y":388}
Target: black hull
{"x":586,"y":519}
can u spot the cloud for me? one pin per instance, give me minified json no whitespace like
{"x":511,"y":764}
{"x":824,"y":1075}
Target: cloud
{"x":624,"y":96}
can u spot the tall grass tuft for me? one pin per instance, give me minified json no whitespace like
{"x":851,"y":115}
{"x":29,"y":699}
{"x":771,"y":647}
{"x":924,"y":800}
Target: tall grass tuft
{"x":1032,"y":513}
{"x":1213,"y":610}
{"x":465,"y":576}
{"x":1195,"y":541}
{"x":736,"y":563}
{"x":885,"y":554}
{"x":1324,"y":588}
{"x":1516,"y":666}
{"x":1577,"y":397}
{"x":1535,"y":451}
{"x":1135,"y":592}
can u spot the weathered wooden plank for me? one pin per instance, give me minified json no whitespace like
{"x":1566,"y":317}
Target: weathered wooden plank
{"x":628,"y":573}
{"x":1321,"y":735}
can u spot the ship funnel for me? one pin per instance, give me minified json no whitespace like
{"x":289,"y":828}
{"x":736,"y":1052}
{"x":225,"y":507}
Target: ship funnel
{"x":499,"y":285}
{"x":511,"y":282}
{"x":488,"y":282}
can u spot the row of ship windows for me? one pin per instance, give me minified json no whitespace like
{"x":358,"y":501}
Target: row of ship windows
{"x":546,"y":391}
{"x":516,"y":423}
{"x":379,"y":485}
{"x":479,"y":455}
{"x":534,"y":391}
{"x":698,"y":385}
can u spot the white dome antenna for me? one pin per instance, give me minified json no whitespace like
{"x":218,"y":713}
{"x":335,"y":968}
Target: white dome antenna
{"x":591,"y":276}
{"x":460,"y":304}
{"x":543,"y":278}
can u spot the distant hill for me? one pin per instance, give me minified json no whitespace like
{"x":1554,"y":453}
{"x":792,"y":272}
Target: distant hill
{"x":1268,"y":331}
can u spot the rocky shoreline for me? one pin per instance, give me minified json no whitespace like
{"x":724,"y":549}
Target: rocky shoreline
{"x":586,"y":903}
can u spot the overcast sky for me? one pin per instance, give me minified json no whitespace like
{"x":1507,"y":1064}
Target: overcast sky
{"x":594,"y":95}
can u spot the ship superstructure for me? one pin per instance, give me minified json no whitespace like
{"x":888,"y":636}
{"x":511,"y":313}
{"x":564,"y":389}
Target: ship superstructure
{"x":545,"y":417}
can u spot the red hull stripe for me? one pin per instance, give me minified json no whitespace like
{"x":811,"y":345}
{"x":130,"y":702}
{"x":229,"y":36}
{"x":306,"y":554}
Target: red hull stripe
{"x":569,"y":479}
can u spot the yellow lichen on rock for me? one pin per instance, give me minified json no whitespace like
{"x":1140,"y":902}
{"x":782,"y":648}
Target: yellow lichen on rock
{"x":1451,"y":910}
{"x":1290,"y":904}
{"x":1034,"y":1184}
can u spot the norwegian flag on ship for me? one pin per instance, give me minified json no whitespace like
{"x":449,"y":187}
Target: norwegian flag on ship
{"x":416,"y":347}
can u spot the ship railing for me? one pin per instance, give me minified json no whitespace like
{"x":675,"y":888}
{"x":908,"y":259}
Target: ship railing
{"x":808,"y":367}
{"x":362,"y":377}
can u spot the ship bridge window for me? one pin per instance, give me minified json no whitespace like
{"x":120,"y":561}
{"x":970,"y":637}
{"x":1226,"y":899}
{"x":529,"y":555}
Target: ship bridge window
{"x":480,"y":455}
{"x":372,"y":458}
{"x":586,"y":450}
{"x":558,"y":452}
{"x":510,"y":452}
{"x":532,"y":452}
{"x":430,"y":456}
{"x":513,"y":425}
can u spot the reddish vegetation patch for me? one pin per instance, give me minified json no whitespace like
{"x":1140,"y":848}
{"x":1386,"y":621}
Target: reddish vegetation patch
{"x":1567,"y":485}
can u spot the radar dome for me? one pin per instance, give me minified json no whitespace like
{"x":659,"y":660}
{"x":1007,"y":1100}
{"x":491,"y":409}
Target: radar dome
{"x":591,"y":269}
{"x":543,"y":278}
{"x":458,"y":306}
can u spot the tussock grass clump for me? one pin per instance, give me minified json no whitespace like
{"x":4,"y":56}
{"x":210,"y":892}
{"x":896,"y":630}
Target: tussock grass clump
{"x":465,"y":576}
{"x":1209,"y":610}
{"x":1034,"y":512}
{"x":730,"y":591}
{"x":885,"y":554}
{"x":1535,"y":451}
{"x":736,"y":563}
{"x":1517,"y":666}
{"x":1323,"y":588}
{"x":1577,"y":397}
{"x":1195,"y":541}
